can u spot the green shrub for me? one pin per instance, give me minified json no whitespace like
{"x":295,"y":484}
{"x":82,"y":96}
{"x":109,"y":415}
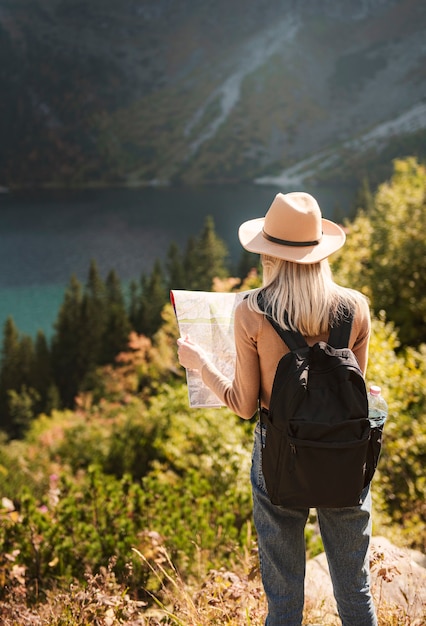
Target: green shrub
{"x":81,"y":525}
{"x":194,"y":495}
{"x":400,"y":483}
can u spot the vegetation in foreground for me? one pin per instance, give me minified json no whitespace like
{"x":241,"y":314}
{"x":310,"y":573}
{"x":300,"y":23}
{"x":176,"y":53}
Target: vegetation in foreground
{"x":223,"y":597}
{"x":129,"y":508}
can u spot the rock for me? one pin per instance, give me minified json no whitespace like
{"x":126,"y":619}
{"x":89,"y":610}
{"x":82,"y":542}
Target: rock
{"x":398,"y":580}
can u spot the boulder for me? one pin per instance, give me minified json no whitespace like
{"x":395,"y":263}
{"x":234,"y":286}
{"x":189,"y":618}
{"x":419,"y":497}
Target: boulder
{"x":398,"y":581}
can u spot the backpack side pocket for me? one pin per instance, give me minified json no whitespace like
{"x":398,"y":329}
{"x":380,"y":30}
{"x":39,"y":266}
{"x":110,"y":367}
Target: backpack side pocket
{"x":373,"y":453}
{"x":273,"y":461}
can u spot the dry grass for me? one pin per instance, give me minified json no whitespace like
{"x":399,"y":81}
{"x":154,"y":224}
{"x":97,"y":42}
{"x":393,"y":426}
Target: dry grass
{"x":232,"y":598}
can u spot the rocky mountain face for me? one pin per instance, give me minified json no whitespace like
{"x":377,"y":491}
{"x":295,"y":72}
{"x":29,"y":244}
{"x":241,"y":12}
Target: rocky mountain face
{"x":176,"y":91}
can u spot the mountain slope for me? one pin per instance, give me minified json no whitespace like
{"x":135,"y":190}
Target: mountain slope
{"x":168,"y":90}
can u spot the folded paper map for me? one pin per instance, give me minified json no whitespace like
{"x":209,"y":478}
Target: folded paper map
{"x":208,"y":319}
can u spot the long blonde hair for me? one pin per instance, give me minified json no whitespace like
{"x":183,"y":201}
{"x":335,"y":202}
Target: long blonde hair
{"x":307,"y":293}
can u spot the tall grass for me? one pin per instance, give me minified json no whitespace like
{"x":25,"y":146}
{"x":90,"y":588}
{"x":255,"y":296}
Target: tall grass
{"x":223,"y":597}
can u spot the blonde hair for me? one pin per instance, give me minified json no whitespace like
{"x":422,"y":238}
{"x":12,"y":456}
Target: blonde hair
{"x":307,"y":293}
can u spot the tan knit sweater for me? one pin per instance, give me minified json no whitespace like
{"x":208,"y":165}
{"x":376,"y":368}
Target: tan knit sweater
{"x":259,"y":349}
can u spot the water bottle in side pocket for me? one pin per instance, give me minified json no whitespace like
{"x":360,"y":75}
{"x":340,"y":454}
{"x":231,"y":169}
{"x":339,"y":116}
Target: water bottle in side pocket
{"x":377,"y":407}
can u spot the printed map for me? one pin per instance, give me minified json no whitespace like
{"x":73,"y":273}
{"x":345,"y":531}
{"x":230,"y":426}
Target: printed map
{"x":208,"y":319}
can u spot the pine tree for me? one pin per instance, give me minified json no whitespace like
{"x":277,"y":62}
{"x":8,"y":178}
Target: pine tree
{"x":248,"y":262}
{"x":26,"y":360}
{"x":42,"y":376}
{"x":176,"y":274}
{"x":117,"y":325}
{"x":19,"y":399}
{"x":67,"y":345}
{"x":134,"y":298}
{"x":154,"y":296}
{"x":93,"y":320}
{"x":205,"y":258}
{"x":10,"y":375}
{"x":21,"y":407}
{"x":24,"y":402}
{"x":190,"y":264}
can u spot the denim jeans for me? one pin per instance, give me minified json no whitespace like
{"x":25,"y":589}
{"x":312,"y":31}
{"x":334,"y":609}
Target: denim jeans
{"x":346,"y":536}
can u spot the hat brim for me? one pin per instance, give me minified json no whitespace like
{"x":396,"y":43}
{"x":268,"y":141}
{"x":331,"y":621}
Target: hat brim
{"x":252,"y":239}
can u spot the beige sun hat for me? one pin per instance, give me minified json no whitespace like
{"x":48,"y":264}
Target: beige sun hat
{"x":292,"y":229}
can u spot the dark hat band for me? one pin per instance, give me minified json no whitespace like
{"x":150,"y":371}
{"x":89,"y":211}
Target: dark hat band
{"x":284,"y":242}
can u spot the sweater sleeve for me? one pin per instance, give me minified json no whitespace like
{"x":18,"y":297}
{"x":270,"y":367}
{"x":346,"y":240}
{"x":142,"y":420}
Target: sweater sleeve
{"x":241,"y":394}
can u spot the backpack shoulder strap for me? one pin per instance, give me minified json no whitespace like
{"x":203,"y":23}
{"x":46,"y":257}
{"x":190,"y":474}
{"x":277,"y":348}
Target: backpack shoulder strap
{"x":292,"y":338}
{"x":340,"y":333}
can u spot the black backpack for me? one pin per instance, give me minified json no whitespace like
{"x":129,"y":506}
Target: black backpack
{"x":320,"y":450}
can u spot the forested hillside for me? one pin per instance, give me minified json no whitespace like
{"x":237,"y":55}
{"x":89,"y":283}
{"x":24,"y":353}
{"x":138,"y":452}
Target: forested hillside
{"x":117,"y":493}
{"x":96,"y":93}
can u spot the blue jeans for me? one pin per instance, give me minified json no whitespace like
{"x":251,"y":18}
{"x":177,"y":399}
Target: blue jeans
{"x":346,"y":536}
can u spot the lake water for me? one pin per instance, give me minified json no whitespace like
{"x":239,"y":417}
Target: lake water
{"x":45,"y":237}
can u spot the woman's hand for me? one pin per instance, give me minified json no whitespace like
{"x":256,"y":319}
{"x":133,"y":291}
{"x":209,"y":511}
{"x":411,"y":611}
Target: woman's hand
{"x":190,"y":355}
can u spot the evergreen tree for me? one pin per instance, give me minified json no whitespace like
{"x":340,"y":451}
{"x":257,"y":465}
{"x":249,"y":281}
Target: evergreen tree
{"x":22,"y":409}
{"x":93,"y":320}
{"x":176,"y":274}
{"x":117,"y":326}
{"x":190,"y":263}
{"x":10,"y":375}
{"x":26,"y":360}
{"x":248,"y":261}
{"x":205,"y":258}
{"x":67,"y":346}
{"x":19,"y":399}
{"x":134,"y":298}
{"x":154,"y":296}
{"x":42,"y":376}
{"x":77,"y":346}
